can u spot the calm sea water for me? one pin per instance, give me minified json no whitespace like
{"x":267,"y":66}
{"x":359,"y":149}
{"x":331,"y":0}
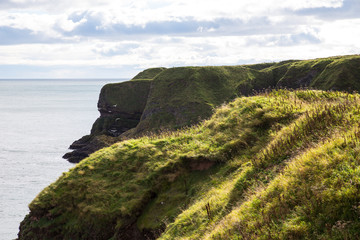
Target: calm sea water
{"x":39,"y":119}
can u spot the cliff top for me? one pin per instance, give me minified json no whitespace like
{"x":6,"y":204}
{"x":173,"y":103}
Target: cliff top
{"x":172,"y":98}
{"x":148,"y":74}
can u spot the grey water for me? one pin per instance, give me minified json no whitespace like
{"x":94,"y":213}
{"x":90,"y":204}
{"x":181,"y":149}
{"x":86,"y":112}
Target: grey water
{"x":39,"y":119}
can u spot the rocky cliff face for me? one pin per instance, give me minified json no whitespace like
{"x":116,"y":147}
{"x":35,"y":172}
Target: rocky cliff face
{"x":159,"y":98}
{"x":121,"y":106}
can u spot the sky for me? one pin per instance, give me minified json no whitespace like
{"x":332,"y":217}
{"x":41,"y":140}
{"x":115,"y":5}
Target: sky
{"x":117,"y":39}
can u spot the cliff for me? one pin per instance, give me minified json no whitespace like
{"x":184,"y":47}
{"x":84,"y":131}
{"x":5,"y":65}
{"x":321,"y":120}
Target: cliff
{"x":159,"y":98}
{"x":121,"y":106}
{"x":278,"y":165}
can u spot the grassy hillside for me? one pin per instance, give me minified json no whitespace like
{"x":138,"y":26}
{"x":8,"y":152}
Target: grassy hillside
{"x":148,"y":74}
{"x":278,"y":165}
{"x":182,"y":96}
{"x":334,"y":73}
{"x":173,"y":98}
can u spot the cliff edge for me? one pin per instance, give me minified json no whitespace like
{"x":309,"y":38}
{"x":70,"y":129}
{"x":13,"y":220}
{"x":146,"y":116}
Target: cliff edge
{"x":121,"y":106}
{"x":160,"y":99}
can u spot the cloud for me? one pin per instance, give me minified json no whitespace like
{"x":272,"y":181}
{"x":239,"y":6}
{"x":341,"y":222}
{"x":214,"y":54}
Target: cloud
{"x":138,"y":21}
{"x":13,"y":36}
{"x":348,"y":9}
{"x":285,"y":40}
{"x":94,"y":24}
{"x":98,"y":25}
{"x":89,"y":24}
{"x":52,"y":6}
{"x":23,"y":4}
{"x":110,"y":50}
{"x":102,"y":34}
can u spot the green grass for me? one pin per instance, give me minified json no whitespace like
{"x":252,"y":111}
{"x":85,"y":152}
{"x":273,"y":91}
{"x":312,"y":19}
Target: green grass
{"x":148,"y":74}
{"x":121,"y":104}
{"x":333,"y":73}
{"x":183,"y":96}
{"x":129,"y":97}
{"x":278,"y":165}
{"x":173,"y":98}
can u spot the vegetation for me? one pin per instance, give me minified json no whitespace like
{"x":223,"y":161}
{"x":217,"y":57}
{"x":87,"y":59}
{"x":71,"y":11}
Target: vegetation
{"x":277,"y":165}
{"x":182,"y":96}
{"x":173,"y":98}
{"x":148,"y":74}
{"x":121,"y":104}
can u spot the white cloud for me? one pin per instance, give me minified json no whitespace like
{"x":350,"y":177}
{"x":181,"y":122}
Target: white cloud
{"x":341,"y":32}
{"x":140,"y":34}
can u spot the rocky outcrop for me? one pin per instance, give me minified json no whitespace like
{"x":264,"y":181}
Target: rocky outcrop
{"x":120,"y":106}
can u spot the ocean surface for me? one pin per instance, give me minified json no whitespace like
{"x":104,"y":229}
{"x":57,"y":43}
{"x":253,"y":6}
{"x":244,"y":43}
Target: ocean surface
{"x":39,"y":119}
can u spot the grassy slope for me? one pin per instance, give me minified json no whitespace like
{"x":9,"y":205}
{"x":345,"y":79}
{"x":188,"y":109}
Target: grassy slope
{"x":160,"y":98}
{"x":148,"y":74}
{"x":181,"y":96}
{"x":335,"y":73}
{"x":280,"y":165}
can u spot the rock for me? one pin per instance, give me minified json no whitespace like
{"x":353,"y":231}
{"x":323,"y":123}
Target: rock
{"x":120,"y":106}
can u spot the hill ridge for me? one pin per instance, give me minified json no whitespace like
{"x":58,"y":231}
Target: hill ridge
{"x":172,"y":98}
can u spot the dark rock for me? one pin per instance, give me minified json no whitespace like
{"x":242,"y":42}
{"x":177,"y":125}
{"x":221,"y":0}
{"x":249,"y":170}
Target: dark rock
{"x":120,"y":106}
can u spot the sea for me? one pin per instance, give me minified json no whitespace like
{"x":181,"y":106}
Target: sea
{"x":39,"y":119}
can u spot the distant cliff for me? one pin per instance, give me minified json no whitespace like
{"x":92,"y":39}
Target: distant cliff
{"x":160,"y":98}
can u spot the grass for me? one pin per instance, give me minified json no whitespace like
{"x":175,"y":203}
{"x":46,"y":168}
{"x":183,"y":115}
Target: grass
{"x":183,"y":96}
{"x":278,"y":165}
{"x":148,"y":74}
{"x":173,"y":98}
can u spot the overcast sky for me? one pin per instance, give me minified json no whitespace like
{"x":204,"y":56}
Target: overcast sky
{"x":115,"y":39}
